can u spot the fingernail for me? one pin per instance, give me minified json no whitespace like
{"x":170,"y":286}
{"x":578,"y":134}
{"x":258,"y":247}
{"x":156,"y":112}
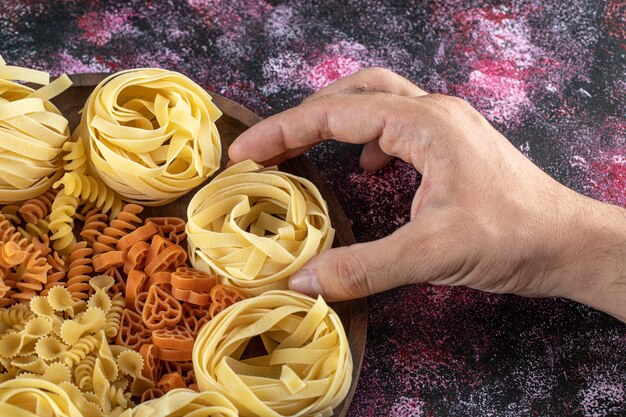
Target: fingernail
{"x":305,"y":282}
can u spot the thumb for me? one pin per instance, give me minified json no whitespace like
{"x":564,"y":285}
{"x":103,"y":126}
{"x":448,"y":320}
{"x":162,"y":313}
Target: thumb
{"x":354,"y":271}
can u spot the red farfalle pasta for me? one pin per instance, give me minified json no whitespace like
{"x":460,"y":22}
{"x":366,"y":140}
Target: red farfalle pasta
{"x":37,"y":208}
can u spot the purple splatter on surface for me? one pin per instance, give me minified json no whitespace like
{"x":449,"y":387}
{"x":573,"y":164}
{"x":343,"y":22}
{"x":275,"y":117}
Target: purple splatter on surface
{"x":549,"y":75}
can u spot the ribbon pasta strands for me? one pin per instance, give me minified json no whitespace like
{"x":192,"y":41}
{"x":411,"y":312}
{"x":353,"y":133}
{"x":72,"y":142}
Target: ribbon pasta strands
{"x":307,"y":368}
{"x":254,"y":227}
{"x":33,"y":397}
{"x":151,"y":134}
{"x":32,"y":133}
{"x":183,"y":402}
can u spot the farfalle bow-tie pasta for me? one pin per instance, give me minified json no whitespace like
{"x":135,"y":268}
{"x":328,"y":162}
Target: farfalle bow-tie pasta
{"x":32,"y":133}
{"x":256,"y":226}
{"x":151,"y":134}
{"x":304,"y":370}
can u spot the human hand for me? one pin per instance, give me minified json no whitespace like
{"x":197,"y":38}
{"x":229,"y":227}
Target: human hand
{"x":484,"y":216}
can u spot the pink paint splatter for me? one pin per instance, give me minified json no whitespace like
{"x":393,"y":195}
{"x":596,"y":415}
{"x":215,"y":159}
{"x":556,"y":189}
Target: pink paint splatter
{"x":407,"y":407}
{"x":72,"y":65}
{"x":495,"y":47}
{"x":330,"y":69}
{"x":598,"y":393}
{"x":229,"y":15}
{"x":608,"y":178}
{"x":287,"y":69}
{"x":99,"y":28}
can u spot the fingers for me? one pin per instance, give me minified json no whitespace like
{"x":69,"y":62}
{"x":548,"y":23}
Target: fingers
{"x":436,"y":247}
{"x":346,"y":117}
{"x":350,"y":272}
{"x":371,"y":80}
{"x":402,"y":125}
{"x":373,"y":158}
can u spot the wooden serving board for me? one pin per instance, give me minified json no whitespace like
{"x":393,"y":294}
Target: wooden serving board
{"x":235,"y":120}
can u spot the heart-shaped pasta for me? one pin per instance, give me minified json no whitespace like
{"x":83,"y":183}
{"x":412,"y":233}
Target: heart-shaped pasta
{"x":304,"y":370}
{"x":32,"y":133}
{"x":256,"y":226}
{"x":151,"y":134}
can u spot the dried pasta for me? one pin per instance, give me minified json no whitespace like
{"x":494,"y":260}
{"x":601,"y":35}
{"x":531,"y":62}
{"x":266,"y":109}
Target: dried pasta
{"x":62,"y":222}
{"x":34,"y":397}
{"x":151,"y":135}
{"x":307,"y":368}
{"x":37,"y":208}
{"x":183,"y":402}
{"x":32,"y":133}
{"x":90,"y":190}
{"x":256,"y":226}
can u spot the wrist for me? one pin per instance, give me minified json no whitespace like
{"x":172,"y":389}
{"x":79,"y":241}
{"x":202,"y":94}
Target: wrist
{"x":595,"y":273}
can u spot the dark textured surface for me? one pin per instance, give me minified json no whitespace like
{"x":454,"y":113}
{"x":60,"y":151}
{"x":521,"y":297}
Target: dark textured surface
{"x":550,"y":75}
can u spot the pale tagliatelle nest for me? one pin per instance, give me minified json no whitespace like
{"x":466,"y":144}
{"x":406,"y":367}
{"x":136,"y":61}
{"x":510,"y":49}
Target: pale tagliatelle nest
{"x":32,"y":133}
{"x":151,"y":134}
{"x":256,"y":226}
{"x":305,"y":371}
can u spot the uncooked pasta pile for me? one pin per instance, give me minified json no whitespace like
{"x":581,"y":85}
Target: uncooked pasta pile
{"x":102,"y":309}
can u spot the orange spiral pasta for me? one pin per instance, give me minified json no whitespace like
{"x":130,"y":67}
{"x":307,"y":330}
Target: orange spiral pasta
{"x":125,"y":222}
{"x":95,"y":223}
{"x":59,"y":265}
{"x":79,"y":270}
{"x":37,"y":208}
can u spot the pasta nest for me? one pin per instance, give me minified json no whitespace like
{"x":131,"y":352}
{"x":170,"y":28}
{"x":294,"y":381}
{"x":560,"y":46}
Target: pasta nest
{"x":32,"y":133}
{"x":151,"y":134}
{"x":306,"y":368}
{"x":256,"y":226}
{"x":182,"y":402}
{"x":32,"y":397}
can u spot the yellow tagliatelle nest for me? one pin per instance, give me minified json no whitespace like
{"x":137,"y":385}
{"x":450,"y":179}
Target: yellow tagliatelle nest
{"x":256,"y":226}
{"x":307,"y":367}
{"x":33,"y":397}
{"x":151,"y":134}
{"x":32,"y":133}
{"x":183,"y":402}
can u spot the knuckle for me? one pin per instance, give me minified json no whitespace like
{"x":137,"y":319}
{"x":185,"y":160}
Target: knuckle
{"x":378,"y":72}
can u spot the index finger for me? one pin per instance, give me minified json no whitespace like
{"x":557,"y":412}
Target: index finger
{"x":352,"y":118}
{"x":371,"y":80}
